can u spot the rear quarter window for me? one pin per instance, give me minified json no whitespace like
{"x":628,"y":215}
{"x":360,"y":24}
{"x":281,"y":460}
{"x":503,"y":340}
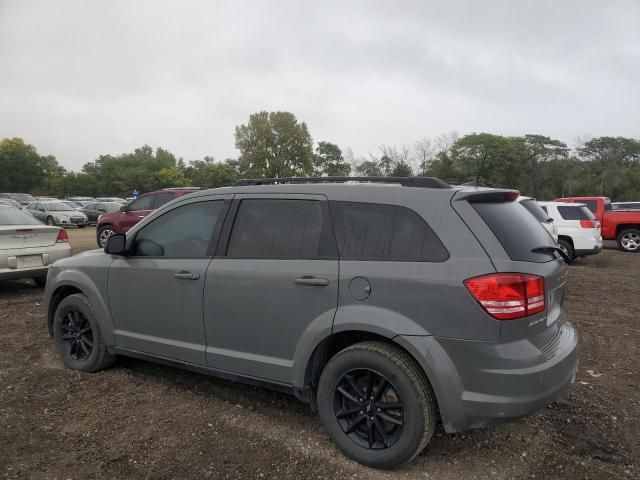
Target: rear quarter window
{"x":575,"y":213}
{"x":517,"y":230}
{"x":367,"y":231}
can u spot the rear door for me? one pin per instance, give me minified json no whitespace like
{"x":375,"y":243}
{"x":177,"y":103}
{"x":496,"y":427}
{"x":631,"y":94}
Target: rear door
{"x":275,"y":279}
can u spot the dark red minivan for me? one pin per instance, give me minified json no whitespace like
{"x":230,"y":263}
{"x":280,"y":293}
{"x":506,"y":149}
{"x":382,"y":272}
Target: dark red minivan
{"x":121,"y":221}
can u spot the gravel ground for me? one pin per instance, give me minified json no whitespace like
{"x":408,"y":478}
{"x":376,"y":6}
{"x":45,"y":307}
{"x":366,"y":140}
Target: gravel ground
{"x":138,"y":420}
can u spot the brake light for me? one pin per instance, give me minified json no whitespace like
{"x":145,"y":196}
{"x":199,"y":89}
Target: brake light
{"x":62,"y":236}
{"x":589,"y":223}
{"x":507,"y":296}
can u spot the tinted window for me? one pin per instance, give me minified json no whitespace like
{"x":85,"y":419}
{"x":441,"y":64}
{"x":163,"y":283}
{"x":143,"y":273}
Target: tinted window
{"x":91,"y":206}
{"x":591,"y":204}
{"x":275,"y":228}
{"x":384,"y":232}
{"x":516,"y":230}
{"x":143,"y":203}
{"x":163,"y":198}
{"x":13,"y":216}
{"x":535,"y":210}
{"x":184,"y":232}
{"x":575,"y":213}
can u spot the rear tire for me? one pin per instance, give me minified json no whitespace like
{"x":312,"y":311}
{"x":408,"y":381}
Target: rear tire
{"x":50,"y":221}
{"x":78,"y":337}
{"x":629,"y":240}
{"x":568,"y":249}
{"x":388,"y":399}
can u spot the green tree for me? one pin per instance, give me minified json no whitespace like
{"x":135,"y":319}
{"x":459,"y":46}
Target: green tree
{"x":329,"y":161}
{"x":22,"y":169}
{"x":401,"y":169}
{"x":171,"y":177}
{"x":274,"y":144}
{"x":610,"y":158}
{"x":211,"y":174}
{"x":538,"y":150}
{"x":368,"y":168}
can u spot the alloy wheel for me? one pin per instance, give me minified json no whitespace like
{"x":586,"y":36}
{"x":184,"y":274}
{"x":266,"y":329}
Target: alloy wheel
{"x":104,"y":234}
{"x":630,"y":241}
{"x":368,"y":408}
{"x":77,"y":335}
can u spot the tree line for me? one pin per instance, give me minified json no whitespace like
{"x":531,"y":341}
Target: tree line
{"x":276,"y":144}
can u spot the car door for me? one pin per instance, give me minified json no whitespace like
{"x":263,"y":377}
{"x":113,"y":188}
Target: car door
{"x":90,"y":212}
{"x":155,"y":292}
{"x":273,"y":280}
{"x":136,"y":211}
{"x":38,"y":211}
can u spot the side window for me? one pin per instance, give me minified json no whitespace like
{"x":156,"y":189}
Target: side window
{"x":163,"y":198}
{"x":41,"y":207}
{"x":370,"y":231}
{"x":184,"y":232}
{"x":143,"y":203}
{"x":591,"y":205}
{"x":281,"y":228}
{"x":91,"y":206}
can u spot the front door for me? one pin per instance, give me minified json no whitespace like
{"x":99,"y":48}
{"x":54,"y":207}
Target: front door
{"x":273,"y":283}
{"x":155,"y":293}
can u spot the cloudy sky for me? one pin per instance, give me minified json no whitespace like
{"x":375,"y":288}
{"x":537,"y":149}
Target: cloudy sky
{"x":83,"y":78}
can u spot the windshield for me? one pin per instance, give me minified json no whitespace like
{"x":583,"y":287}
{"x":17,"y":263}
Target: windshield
{"x":535,"y":210}
{"x":22,"y":197}
{"x":13,"y":216}
{"x":112,"y":206}
{"x":58,"y":207}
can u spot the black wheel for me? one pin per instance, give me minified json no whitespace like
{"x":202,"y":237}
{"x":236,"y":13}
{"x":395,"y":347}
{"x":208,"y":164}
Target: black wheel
{"x":78,"y":337}
{"x":50,"y":221}
{"x":40,"y":281}
{"x":377,"y":404}
{"x":566,"y":246}
{"x":104,"y":232}
{"x":629,"y":240}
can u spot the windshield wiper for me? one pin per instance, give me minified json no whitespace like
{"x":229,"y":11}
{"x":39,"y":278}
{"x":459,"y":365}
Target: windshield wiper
{"x":551,"y":249}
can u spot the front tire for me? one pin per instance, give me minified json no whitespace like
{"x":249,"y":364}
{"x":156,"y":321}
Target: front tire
{"x":377,"y":404}
{"x":77,"y":335}
{"x":629,"y":240}
{"x":567,"y":247}
{"x":104,"y":232}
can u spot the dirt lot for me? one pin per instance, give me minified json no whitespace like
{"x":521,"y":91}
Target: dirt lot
{"x":138,"y":420}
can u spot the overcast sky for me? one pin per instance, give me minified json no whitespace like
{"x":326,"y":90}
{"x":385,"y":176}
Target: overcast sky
{"x":84,"y":78}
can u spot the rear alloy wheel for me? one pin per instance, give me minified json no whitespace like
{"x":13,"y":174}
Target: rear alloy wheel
{"x":376,"y":404}
{"x":566,"y":248}
{"x":105,"y":232}
{"x":78,"y":337}
{"x":629,"y":240}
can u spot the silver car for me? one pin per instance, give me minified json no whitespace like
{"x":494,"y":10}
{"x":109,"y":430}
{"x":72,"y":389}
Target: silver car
{"x":57,"y":213}
{"x":27,"y":247}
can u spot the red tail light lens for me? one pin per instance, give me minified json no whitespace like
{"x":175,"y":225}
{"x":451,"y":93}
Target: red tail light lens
{"x":62,"y":236}
{"x":589,"y":223}
{"x":506,"y":296}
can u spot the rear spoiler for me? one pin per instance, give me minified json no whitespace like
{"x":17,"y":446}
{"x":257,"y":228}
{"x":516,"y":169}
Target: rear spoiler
{"x":488,"y":195}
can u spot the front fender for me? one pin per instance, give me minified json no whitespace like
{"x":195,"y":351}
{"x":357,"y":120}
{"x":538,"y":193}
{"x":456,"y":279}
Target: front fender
{"x":91,"y":288}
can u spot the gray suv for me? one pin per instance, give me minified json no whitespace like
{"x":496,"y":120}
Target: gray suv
{"x":387,"y":303}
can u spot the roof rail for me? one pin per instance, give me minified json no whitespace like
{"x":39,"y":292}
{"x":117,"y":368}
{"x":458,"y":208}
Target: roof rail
{"x":421,"y":182}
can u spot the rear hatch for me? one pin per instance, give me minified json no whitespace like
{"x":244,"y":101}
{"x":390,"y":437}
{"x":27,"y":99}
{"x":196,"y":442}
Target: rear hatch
{"x":518,"y":244}
{"x":27,"y":236}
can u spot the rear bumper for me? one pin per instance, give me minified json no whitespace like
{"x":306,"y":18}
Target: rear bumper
{"x":480,"y":383}
{"x":8,"y":261}
{"x":588,"y":251}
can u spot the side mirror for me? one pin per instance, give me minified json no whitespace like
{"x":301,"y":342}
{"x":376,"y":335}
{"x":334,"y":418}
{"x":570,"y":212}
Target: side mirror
{"x":116,"y":244}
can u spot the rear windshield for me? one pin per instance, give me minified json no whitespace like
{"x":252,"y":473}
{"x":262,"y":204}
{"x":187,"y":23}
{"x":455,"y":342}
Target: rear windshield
{"x":22,"y":197}
{"x":535,"y":210}
{"x":517,"y":230}
{"x":13,"y":216}
{"x":577,"y":212}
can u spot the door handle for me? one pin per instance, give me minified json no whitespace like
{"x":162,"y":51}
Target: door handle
{"x":186,"y":276}
{"x":140,"y":216}
{"x":313,"y":281}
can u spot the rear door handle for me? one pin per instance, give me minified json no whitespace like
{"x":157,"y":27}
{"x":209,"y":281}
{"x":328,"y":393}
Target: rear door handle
{"x":313,"y":281}
{"x":186,"y":276}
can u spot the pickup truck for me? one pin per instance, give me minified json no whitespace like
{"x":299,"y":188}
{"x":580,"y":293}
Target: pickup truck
{"x":623,"y":226}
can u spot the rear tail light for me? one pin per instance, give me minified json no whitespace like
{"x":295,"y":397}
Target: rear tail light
{"x":506,"y":296}
{"x":62,"y":236}
{"x":589,"y":223}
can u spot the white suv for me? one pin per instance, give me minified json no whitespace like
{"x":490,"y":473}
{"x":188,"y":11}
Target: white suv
{"x":540,"y":214}
{"x":579,"y":232}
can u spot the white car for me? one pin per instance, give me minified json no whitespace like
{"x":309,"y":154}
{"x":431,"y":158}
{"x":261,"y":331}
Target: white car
{"x":27,"y":247}
{"x":579,"y":232}
{"x":532,"y":205}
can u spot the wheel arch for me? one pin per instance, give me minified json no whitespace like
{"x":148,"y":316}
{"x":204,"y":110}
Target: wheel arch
{"x":626,"y":226}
